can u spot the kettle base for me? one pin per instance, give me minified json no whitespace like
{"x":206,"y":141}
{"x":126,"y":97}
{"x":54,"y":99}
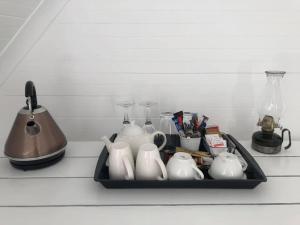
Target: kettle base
{"x":37,"y":164}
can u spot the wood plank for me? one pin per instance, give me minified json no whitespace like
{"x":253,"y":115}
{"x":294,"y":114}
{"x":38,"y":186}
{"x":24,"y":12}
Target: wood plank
{"x":121,"y":16}
{"x":167,"y":30}
{"x":76,"y":149}
{"x":85,"y":191}
{"x":9,"y":59}
{"x":28,"y":3}
{"x":93,"y":83}
{"x":214,"y":5}
{"x":93,"y":149}
{"x":84,"y":166}
{"x":9,"y":8}
{"x":91,"y":53}
{"x":192,"y":215}
{"x":104,"y":88}
{"x":7,"y":32}
{"x":92,"y":106}
{"x":205,"y":66}
{"x":3,"y":42}
{"x":92,"y":128}
{"x":68,"y":167}
{"x":292,"y":152}
{"x":10,"y":21}
{"x":172,"y":42}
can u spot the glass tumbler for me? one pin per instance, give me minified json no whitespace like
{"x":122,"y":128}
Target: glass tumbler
{"x":167,"y":126}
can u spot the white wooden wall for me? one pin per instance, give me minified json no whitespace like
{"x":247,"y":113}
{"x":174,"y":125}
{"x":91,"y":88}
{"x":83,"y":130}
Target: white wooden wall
{"x":13,"y":14}
{"x":206,"y":56}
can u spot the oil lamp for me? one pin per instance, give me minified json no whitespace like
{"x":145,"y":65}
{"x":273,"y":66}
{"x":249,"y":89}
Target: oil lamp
{"x":270,"y":111}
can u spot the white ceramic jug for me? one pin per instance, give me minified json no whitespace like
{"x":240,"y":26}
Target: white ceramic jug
{"x":135,"y":136}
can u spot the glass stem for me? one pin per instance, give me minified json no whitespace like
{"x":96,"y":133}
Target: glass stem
{"x":126,"y":116}
{"x":148,"y":119}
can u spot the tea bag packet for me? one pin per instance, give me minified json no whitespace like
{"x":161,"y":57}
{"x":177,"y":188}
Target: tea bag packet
{"x":195,"y":122}
{"x":204,"y":121}
{"x":216,"y":143}
{"x":178,"y":120}
{"x":214,"y":129}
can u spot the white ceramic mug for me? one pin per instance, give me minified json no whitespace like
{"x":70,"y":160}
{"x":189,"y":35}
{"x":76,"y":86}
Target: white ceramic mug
{"x":149,"y":165}
{"x":227,"y":166}
{"x":120,"y":161}
{"x":183,"y":167}
{"x":191,"y":144}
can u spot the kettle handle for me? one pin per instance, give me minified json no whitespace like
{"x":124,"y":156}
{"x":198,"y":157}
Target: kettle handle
{"x":290,"y":138}
{"x":30,"y":94}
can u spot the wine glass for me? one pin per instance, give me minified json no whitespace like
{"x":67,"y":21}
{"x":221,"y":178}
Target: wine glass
{"x":148,"y":126}
{"x":167,"y":125}
{"x":126,"y":103}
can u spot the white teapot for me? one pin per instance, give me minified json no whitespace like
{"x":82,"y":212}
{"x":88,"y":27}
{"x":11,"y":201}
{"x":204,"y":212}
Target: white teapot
{"x":136,"y":136}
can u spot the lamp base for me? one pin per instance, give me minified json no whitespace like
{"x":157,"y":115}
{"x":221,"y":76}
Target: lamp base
{"x":267,"y":144}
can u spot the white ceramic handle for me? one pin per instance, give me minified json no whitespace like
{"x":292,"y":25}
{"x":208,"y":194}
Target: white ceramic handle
{"x":162,"y":168}
{"x":244,"y":165}
{"x":165,"y":139}
{"x":129,"y":169}
{"x":200,"y":175}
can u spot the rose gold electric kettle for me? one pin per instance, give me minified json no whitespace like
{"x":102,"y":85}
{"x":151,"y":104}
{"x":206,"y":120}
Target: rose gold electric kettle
{"x":35,"y":140}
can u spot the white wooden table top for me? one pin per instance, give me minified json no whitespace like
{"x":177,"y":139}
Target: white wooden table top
{"x":67,"y":194}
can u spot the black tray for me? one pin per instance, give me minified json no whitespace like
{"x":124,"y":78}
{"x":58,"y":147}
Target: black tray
{"x":254,"y":173}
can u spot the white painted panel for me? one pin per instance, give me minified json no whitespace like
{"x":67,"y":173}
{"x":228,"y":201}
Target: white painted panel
{"x":28,"y":3}
{"x":13,"y":13}
{"x":85,"y":167}
{"x":79,"y":191}
{"x":10,"y":21}
{"x":76,"y":149}
{"x":17,"y":9}
{"x":284,"y":60}
{"x":88,"y":43}
{"x":64,"y":82}
{"x":26,"y":38}
{"x":122,"y":16}
{"x":84,"y":102}
{"x":207,"y":5}
{"x":3,"y":42}
{"x":90,"y":54}
{"x":292,"y":152}
{"x":67,"y":167}
{"x":6,"y":32}
{"x":180,"y":30}
{"x":96,"y":50}
{"x":234,"y":215}
{"x":91,"y":129}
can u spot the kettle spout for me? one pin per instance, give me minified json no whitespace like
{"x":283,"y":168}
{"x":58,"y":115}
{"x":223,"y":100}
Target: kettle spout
{"x":107,"y":142}
{"x":32,"y":128}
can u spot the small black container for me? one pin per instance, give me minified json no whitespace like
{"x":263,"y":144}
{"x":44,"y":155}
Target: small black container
{"x":254,"y":173}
